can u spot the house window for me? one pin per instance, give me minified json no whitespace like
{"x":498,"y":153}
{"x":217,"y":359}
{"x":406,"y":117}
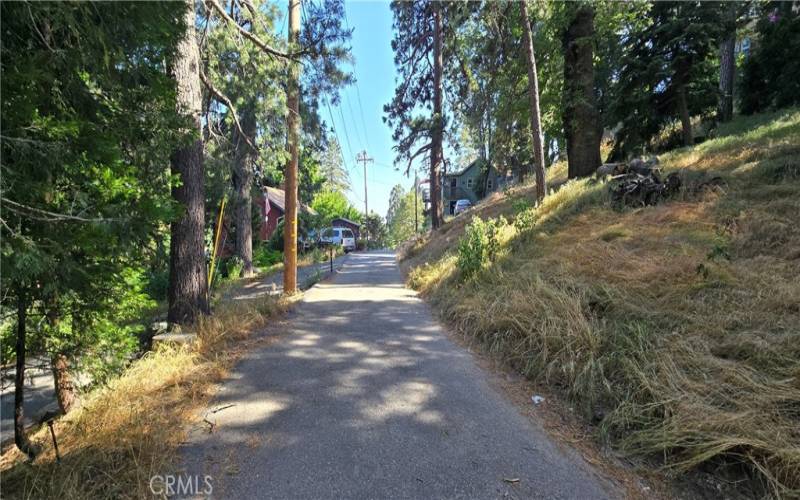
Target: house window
{"x":489,"y":184}
{"x":469,"y":182}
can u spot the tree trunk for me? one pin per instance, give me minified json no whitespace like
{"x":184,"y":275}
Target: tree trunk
{"x":533,"y":95}
{"x":581,"y":119}
{"x":20,"y":437}
{"x":59,"y":364}
{"x":727,"y":65}
{"x":686,"y":118}
{"x":242,"y":177}
{"x":187,"y":277}
{"x":64,"y":385}
{"x":438,"y":120}
{"x":293,"y":124}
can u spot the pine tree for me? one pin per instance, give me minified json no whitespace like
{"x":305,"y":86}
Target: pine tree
{"x":187,"y":278}
{"x":667,"y":72}
{"x":419,"y":56}
{"x":84,"y":187}
{"x":533,"y":96}
{"x":581,"y":119}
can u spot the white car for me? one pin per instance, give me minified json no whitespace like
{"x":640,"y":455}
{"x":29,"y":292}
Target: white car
{"x":461,"y":205}
{"x":339,"y":236}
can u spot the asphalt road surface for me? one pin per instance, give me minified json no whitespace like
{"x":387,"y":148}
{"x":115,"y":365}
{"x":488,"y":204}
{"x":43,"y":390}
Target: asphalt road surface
{"x":364,"y":396}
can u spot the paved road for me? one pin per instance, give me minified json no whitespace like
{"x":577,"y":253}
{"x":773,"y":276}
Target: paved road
{"x":365,"y":397}
{"x":273,"y":284}
{"x":40,"y":396}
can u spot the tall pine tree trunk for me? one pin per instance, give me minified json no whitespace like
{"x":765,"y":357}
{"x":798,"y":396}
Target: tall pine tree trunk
{"x":20,"y":437}
{"x":581,"y":119}
{"x":438,"y":120}
{"x":187,"y":277}
{"x":242,"y":177}
{"x":64,"y":385}
{"x":727,"y":65}
{"x":533,"y":95}
{"x":686,"y":117}
{"x":59,"y":365}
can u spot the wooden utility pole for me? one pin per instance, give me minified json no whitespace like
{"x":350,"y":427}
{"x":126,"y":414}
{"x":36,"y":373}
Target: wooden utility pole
{"x":363,"y":158}
{"x":293,"y":125}
{"x":533,"y":95}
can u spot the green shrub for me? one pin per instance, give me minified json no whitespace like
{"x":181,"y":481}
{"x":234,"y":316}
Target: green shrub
{"x":233,"y":267}
{"x":266,"y":257}
{"x":276,"y":240}
{"x":479,"y":245}
{"x":157,"y":284}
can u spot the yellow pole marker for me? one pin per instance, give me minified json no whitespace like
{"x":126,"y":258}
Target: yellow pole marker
{"x":216,"y":245}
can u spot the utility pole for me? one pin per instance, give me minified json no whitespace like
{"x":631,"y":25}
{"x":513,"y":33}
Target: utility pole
{"x":293,"y":123}
{"x":363,"y":158}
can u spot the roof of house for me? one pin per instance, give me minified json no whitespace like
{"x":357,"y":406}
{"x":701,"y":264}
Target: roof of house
{"x":348,"y":221}
{"x":278,"y":198}
{"x":464,"y":170}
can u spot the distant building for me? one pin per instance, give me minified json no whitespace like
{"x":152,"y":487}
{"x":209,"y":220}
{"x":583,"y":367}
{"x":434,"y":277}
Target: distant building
{"x":272,"y":204}
{"x":474,"y":182}
{"x":347,"y":223}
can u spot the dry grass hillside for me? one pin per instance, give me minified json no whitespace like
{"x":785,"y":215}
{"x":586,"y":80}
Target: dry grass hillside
{"x":676,"y":327}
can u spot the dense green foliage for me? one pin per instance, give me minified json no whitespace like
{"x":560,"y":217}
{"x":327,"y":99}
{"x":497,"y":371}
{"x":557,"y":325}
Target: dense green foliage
{"x":771,"y":75}
{"x":479,"y":245}
{"x":84,"y":184}
{"x":400,"y":219}
{"x":331,"y":204}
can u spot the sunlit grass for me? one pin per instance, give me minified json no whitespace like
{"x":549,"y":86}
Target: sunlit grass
{"x":678,"y":323}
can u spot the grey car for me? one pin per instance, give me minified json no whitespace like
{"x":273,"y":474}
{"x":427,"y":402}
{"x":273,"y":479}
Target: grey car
{"x":461,"y":206}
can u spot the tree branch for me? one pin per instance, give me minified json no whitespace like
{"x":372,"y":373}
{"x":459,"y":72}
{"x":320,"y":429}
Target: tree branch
{"x":222,"y":97}
{"x":21,"y":209}
{"x":422,"y":149}
{"x":250,"y":36}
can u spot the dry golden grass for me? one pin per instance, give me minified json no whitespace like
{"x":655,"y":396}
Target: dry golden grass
{"x":678,"y":326}
{"x":129,"y":430}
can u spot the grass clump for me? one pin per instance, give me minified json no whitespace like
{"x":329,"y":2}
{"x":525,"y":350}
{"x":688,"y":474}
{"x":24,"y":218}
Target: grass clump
{"x":129,"y":430}
{"x":676,"y":327}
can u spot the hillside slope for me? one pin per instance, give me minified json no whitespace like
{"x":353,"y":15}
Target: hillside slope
{"x":675,"y":327}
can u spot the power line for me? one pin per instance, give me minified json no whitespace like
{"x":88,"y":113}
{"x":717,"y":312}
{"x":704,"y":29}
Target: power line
{"x":346,"y":135}
{"x":355,"y":123}
{"x":358,"y":92}
{"x":341,"y":153}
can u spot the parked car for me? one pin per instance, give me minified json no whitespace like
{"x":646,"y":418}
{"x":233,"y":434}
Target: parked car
{"x":461,"y":205}
{"x":339,"y":236}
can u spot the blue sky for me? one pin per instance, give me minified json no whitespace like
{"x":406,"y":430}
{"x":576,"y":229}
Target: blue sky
{"x":374,"y":69}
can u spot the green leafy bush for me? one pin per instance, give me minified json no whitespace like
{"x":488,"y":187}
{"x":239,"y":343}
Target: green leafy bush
{"x":264,"y":256}
{"x":233,"y":267}
{"x":479,"y":245}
